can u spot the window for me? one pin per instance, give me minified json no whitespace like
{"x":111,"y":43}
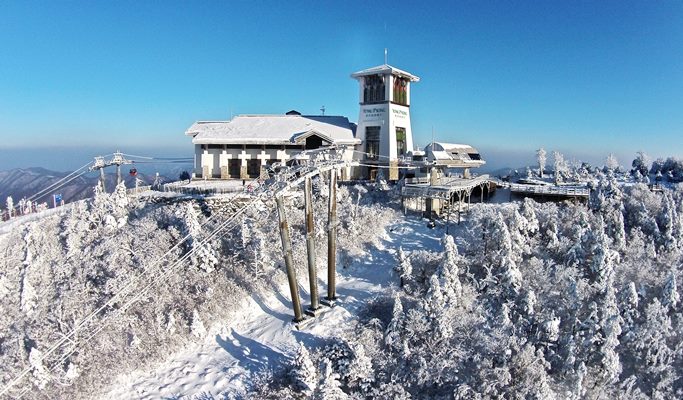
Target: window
{"x":400,"y":91}
{"x":374,"y":89}
{"x":372,"y":142}
{"x":314,"y":142}
{"x":254,"y":168}
{"x":400,"y":141}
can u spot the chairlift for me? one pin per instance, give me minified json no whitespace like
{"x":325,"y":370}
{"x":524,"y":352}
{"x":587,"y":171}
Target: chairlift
{"x":133,"y":172}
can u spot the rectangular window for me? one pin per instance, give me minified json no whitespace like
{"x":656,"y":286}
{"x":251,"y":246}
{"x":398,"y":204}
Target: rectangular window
{"x":400,"y":141}
{"x":372,"y":142}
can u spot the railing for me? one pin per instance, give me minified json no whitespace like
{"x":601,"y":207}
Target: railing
{"x":550,"y":190}
{"x":205,"y":189}
{"x":444,"y":186}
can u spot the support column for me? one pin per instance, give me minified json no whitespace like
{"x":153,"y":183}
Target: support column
{"x":332,"y":239}
{"x":243,"y":157}
{"x":287,"y":249}
{"x":310,"y":248}
{"x":118,"y":174}
{"x":104,"y":189}
{"x":448,"y":216}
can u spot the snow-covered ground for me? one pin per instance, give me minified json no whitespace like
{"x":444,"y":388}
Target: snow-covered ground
{"x":261,"y":334}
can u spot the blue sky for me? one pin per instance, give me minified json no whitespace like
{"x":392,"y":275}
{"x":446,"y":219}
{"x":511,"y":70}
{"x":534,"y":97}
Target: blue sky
{"x":585,"y":78}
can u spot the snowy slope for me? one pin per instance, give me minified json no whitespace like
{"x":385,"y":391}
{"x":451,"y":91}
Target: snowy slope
{"x":261,"y":335}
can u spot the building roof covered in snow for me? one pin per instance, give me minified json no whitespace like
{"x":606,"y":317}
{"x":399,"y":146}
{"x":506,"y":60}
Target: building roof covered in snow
{"x":454,"y":155}
{"x":274,"y":129}
{"x":385,"y":69}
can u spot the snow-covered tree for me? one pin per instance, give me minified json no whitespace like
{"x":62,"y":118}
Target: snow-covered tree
{"x":197,"y":327}
{"x":361,"y":372}
{"x":448,"y":271}
{"x":203,"y":255}
{"x":41,"y":375}
{"x":330,"y":387}
{"x":611,"y":163}
{"x":560,"y":166}
{"x":531,"y":225}
{"x":641,"y":164}
{"x":303,"y":373}
{"x":670,"y":296}
{"x":10,"y":207}
{"x":392,"y":336}
{"x":541,"y":157}
{"x":404,"y":268}
{"x":630,"y":305}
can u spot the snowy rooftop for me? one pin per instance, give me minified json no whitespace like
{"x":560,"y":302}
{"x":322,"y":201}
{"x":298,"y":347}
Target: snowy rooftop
{"x":454,"y":153}
{"x":273,"y":129}
{"x":385,"y":69}
{"x":441,"y":146}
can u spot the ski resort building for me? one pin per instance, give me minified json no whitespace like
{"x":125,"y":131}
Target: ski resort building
{"x":450,"y":155}
{"x":245,"y":146}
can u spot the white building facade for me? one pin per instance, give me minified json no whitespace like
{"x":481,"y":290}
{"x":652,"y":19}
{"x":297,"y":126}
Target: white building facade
{"x":384,"y":118}
{"x":245,"y":146}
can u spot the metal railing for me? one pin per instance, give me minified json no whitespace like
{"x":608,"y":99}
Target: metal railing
{"x":550,"y":190}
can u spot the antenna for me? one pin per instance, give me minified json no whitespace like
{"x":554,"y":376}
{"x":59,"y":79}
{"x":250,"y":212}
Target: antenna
{"x":385,"y":55}
{"x":432,"y":137}
{"x":322,"y":109}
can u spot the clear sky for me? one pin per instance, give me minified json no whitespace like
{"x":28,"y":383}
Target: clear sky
{"x":585,"y":78}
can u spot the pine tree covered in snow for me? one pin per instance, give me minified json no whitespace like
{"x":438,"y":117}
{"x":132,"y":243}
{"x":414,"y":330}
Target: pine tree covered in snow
{"x":448,"y":272}
{"x":392,"y":336}
{"x":404,"y":268}
{"x":303,"y":373}
{"x":330,"y":387}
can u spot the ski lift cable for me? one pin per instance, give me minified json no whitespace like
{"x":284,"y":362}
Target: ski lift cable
{"x":84,"y":166}
{"x":59,"y":185}
{"x":55,"y":185}
{"x":157,"y":158}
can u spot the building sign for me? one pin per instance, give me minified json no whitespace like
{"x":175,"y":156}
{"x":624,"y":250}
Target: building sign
{"x":373,"y":113}
{"x":402,"y":114}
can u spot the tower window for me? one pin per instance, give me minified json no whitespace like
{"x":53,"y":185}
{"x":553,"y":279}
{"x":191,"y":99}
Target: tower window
{"x":400,"y":141}
{"x":400,"y":95}
{"x":374,"y":89}
{"x":372,"y":142}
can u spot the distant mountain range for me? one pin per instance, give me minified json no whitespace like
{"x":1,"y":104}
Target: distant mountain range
{"x":26,"y":182}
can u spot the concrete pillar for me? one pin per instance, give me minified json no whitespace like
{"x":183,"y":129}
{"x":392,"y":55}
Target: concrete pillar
{"x":243,"y":157}
{"x":310,"y":247}
{"x":332,"y":238}
{"x":224,"y":163}
{"x":289,"y":263}
{"x":393,"y":170}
